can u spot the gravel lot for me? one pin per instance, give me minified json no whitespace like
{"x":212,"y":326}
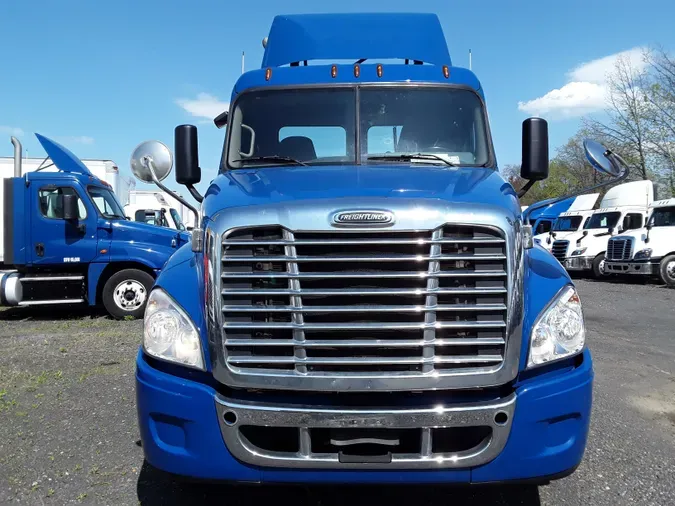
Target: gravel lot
{"x":68,"y":422}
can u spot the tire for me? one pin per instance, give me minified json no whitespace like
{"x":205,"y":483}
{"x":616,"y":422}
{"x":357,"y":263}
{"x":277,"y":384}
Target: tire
{"x":598,"y":264}
{"x":126,"y":293}
{"x":667,"y":271}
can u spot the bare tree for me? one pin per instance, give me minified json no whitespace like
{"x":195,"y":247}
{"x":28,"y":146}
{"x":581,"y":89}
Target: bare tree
{"x":629,"y":127}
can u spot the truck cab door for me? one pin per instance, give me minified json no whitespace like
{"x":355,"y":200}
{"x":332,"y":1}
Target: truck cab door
{"x":55,"y":240}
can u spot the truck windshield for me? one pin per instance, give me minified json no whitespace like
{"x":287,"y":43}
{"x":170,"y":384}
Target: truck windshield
{"x":319,"y":126}
{"x":567,"y":223}
{"x":177,"y":219}
{"x":663,"y":217}
{"x":603,"y":220}
{"x":106,"y":202}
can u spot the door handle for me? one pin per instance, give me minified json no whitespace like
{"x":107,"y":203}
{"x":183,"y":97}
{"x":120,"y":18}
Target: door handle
{"x":40,"y":249}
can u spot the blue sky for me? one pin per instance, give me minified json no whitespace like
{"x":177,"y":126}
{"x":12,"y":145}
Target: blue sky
{"x":100,"y":77}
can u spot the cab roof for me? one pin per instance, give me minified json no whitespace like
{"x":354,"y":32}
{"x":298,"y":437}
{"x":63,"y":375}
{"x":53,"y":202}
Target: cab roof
{"x":304,"y":37}
{"x":324,"y":49}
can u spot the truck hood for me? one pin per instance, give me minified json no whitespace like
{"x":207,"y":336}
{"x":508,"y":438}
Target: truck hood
{"x":472,"y":185}
{"x":62,"y":157}
{"x":148,"y":234}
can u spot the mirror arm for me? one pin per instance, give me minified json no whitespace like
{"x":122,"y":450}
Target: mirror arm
{"x":193,"y":191}
{"x":196,"y":233}
{"x":530,"y":183}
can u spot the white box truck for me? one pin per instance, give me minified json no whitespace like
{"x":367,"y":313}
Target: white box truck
{"x":623,"y":208}
{"x":158,"y":208}
{"x":648,"y":251}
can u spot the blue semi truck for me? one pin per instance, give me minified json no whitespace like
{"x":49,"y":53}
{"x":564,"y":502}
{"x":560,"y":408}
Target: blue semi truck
{"x":65,"y":239}
{"x":362,"y":301}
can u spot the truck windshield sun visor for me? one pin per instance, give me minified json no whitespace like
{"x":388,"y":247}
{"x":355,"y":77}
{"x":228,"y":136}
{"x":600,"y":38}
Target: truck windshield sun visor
{"x":340,"y":126}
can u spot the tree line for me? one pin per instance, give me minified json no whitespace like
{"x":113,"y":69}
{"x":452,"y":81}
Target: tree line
{"x":639,"y":124}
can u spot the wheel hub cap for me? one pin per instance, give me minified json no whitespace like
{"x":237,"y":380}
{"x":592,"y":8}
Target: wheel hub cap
{"x":129,"y":295}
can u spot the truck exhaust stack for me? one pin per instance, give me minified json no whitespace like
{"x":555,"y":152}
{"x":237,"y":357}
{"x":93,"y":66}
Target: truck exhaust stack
{"x":17,"y":156}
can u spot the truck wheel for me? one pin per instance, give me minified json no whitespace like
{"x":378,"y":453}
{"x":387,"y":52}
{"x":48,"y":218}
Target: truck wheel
{"x":599,"y":266}
{"x":667,"y":271}
{"x":126,"y":292}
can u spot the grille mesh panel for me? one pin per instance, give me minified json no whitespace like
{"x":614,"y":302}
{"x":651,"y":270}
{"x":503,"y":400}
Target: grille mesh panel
{"x":620,"y":249}
{"x":378,"y":304}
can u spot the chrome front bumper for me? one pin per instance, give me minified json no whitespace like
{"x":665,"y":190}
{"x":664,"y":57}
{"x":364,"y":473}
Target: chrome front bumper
{"x":319,"y":447}
{"x":578,"y":263}
{"x":639,"y":268}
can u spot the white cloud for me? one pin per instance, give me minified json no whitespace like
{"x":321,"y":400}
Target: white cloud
{"x":8,"y":130}
{"x":573,"y":99}
{"x":586,"y":90}
{"x":204,"y":106}
{"x":597,"y":71}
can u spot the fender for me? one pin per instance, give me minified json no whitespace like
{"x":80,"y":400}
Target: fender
{"x":183,"y":279}
{"x":544,"y":278}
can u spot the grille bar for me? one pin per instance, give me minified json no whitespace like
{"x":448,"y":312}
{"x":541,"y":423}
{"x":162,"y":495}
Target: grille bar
{"x":383,"y":291}
{"x":384,"y":258}
{"x":463,"y":359}
{"x":369,"y":326}
{"x":366,"y":275}
{"x":364,"y":309}
{"x":368,"y":343}
{"x":343,"y":242}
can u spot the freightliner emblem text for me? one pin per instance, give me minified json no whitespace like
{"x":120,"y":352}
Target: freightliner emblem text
{"x":363,"y":218}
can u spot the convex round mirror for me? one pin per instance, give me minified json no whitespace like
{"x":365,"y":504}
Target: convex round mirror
{"x":597,"y":156}
{"x":155,"y":152}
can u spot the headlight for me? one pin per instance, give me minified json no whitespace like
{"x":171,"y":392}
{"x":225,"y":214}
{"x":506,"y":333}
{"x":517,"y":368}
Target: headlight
{"x":643,"y":254}
{"x":559,"y":330}
{"x":579,"y":251}
{"x":168,"y":332}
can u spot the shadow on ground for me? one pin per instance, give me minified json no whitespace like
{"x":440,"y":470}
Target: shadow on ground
{"x":157,"y":488}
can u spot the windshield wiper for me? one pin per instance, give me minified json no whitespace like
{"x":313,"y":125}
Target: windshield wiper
{"x":406,"y":157}
{"x":271,"y":158}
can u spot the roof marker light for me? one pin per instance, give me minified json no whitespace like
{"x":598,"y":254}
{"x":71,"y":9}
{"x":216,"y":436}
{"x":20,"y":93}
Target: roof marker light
{"x":446,"y":71}
{"x":357,"y":70}
{"x":379,"y":70}
{"x":333,"y":71}
{"x":268,"y":74}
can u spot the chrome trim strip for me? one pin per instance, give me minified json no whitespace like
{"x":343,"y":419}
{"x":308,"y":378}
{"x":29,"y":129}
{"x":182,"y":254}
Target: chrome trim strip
{"x":370,"y":343}
{"x":368,"y":326}
{"x":347,"y":275}
{"x":366,"y":309}
{"x":372,"y":258}
{"x":313,"y":417}
{"x":371,"y":291}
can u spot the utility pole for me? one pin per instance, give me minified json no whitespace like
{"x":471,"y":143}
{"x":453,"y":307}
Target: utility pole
{"x":242,"y":62}
{"x":470,"y":58}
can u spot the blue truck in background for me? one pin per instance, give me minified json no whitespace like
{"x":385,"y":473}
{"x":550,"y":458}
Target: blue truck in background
{"x":362,"y":300}
{"x":65,"y":240}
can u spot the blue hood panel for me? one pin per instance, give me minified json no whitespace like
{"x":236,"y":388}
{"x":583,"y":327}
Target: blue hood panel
{"x":62,"y":157}
{"x":279,"y":184}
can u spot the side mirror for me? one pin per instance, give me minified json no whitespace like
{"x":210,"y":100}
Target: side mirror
{"x":221,"y":120}
{"x":187,"y":155}
{"x":610,"y":230}
{"x":649,"y":225}
{"x":150,"y":160}
{"x":535,"y":149}
{"x":600,"y":158}
{"x":70,"y":208}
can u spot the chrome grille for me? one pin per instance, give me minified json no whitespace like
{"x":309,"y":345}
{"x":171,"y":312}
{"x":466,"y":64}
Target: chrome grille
{"x":374,"y":304}
{"x":559,"y":249}
{"x":620,"y":248}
